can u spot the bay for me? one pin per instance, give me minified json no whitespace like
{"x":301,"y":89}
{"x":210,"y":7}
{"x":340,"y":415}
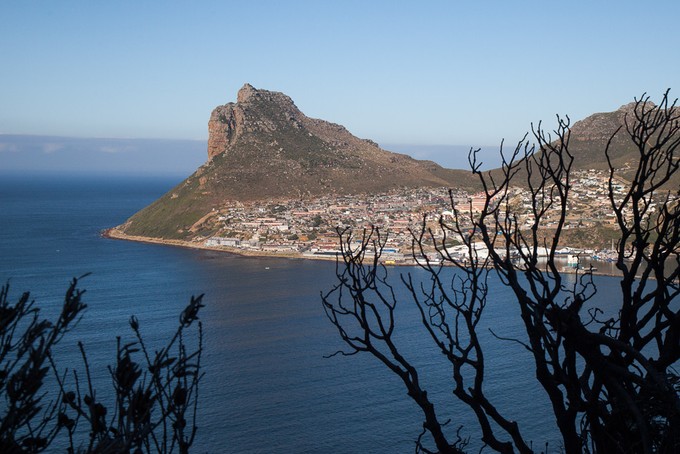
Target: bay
{"x":269,"y":386}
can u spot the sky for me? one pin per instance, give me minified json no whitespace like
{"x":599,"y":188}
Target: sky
{"x":417,"y":75}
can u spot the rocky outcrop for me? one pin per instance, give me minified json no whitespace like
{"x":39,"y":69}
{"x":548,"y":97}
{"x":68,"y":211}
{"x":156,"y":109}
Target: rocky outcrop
{"x":262,"y":112}
{"x":229,"y":121}
{"x":225,"y":124}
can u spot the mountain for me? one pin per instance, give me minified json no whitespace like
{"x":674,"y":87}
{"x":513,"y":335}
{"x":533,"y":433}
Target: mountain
{"x":264,"y":148}
{"x":589,"y":139}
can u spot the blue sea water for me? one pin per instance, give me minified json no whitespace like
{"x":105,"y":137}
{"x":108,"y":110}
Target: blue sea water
{"x":268,"y":386}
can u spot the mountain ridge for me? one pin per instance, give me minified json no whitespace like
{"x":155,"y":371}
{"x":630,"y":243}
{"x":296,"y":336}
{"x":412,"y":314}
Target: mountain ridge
{"x":268,"y":125}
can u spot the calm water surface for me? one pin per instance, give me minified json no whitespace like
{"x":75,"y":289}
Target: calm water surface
{"x":268,"y":387}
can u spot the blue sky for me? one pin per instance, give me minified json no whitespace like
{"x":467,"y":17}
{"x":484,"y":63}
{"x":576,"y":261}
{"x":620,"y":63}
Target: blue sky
{"x":423,"y":73}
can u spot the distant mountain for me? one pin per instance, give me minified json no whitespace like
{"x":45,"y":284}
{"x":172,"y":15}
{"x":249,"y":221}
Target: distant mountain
{"x":264,"y":147}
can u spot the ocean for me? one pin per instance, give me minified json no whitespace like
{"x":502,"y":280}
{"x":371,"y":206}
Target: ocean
{"x":269,"y":386}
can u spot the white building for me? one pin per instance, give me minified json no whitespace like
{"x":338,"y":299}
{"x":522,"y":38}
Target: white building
{"x":222,"y":241}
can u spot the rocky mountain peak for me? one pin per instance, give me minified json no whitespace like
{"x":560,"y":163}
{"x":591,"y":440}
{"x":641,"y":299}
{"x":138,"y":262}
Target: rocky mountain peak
{"x":251,"y":95}
{"x":256,"y":112}
{"x":246,"y":93}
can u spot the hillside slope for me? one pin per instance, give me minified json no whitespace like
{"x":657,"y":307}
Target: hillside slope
{"x":588,"y":141}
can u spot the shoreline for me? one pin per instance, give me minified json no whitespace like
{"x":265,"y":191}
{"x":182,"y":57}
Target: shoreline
{"x":115,"y":234}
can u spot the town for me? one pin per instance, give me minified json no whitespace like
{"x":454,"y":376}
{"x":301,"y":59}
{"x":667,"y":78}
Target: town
{"x":310,"y":228}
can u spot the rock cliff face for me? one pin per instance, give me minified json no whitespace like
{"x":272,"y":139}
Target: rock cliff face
{"x":228,"y":122}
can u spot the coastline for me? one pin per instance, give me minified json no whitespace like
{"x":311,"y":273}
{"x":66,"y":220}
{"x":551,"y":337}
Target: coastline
{"x":115,"y":234}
